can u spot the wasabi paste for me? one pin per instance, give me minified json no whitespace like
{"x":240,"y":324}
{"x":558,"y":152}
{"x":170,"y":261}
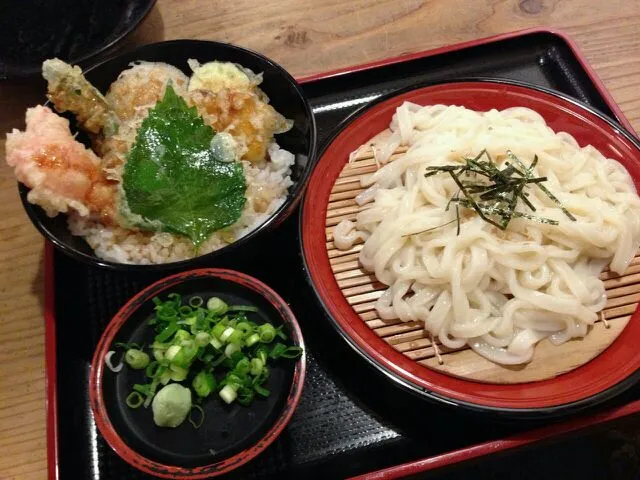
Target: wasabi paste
{"x":171,"y":405}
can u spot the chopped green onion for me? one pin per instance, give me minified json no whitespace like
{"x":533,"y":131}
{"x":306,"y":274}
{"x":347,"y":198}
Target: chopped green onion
{"x":256,"y":366}
{"x":219,"y":360}
{"x":242,"y":308}
{"x":235,"y":337}
{"x":175,"y":297}
{"x":169,"y":330}
{"x":172,"y":351}
{"x":218,"y":330}
{"x":158,"y":354}
{"x":136,"y":359}
{"x":188,"y":321}
{"x":152,"y":369}
{"x":262,"y":353}
{"x":215,"y":343}
{"x":227,"y":333}
{"x":167,"y":313}
{"x":134,"y":400}
{"x":186,"y":354}
{"x":217,"y":306}
{"x":261,"y":390}
{"x":231,"y":349}
{"x":252,"y":340}
{"x":292,"y":352}
{"x":203,"y":384}
{"x":277,"y":350}
{"x":202,"y":338}
{"x":181,"y":335}
{"x":195,"y":424}
{"x":165,"y":376}
{"x":245,"y":327}
{"x":196,"y":301}
{"x":245,"y":396}
{"x":267,"y":333}
{"x":152,"y":391}
{"x":243,"y":366}
{"x":228,"y":394}
{"x":214,"y":340}
{"x":143,"y":389}
{"x":178,"y":373}
{"x":127,"y":346}
{"x":107,"y":362}
{"x":280,"y":333}
{"x":261,"y":377}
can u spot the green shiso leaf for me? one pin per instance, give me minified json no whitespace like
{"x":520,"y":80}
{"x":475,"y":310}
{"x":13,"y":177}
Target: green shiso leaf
{"x":174,"y":181}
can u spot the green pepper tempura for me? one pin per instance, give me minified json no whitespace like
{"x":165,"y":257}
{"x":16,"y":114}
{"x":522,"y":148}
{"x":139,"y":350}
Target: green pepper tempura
{"x":201,"y":348}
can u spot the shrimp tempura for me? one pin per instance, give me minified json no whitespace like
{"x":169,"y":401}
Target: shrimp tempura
{"x":60,"y":171}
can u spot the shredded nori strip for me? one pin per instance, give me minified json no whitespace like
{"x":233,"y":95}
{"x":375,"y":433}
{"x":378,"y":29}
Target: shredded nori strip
{"x":495,"y":199}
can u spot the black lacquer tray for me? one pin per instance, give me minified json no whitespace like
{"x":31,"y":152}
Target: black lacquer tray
{"x":351,"y":420}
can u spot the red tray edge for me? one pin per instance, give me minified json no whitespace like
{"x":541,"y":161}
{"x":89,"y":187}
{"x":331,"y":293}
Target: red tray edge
{"x":408,"y":468}
{"x":50,"y":364}
{"x":487,"y":448}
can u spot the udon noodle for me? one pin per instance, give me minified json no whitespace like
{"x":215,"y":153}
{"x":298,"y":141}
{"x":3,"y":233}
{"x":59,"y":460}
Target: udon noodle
{"x":498,"y":291}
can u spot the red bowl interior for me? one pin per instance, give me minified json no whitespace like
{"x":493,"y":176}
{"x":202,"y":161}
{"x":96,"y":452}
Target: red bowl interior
{"x":611,"y":367}
{"x":99,"y":408}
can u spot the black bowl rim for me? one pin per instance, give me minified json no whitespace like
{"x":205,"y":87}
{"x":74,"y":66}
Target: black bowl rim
{"x":509,"y":413}
{"x":281,"y":214}
{"x":16,"y":73}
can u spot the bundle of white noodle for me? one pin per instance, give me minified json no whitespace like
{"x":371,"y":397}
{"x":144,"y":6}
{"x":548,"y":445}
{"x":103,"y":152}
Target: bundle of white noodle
{"x":500,"y":292}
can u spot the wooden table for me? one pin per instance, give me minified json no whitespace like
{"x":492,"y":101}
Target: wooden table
{"x":305,"y":36}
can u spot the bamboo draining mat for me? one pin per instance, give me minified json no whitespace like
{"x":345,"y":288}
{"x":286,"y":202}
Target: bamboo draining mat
{"x":362,"y":290}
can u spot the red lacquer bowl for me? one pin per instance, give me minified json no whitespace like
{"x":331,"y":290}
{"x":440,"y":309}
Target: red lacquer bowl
{"x":230,"y":435}
{"x":610,"y":373}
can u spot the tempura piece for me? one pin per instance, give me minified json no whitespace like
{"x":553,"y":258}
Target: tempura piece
{"x":70,"y":91}
{"x":138,"y":88}
{"x":243,"y":114}
{"x":215,"y":76}
{"x":61,"y":173}
{"x":228,"y":98}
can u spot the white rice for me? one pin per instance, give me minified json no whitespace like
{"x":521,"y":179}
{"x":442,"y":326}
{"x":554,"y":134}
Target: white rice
{"x":267,"y":185}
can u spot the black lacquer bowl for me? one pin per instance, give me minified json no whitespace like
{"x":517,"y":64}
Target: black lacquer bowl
{"x":73,"y":30}
{"x":285,"y":95}
{"x":230,"y":435}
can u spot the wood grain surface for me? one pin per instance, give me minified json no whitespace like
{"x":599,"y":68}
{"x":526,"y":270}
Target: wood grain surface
{"x":305,"y":36}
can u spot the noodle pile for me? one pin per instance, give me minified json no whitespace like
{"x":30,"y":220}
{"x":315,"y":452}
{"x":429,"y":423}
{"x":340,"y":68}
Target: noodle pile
{"x":500,"y":292}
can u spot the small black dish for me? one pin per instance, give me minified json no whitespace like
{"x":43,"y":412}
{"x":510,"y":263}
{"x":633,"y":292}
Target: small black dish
{"x":285,"y":95}
{"x":73,"y":30}
{"x":230,"y":435}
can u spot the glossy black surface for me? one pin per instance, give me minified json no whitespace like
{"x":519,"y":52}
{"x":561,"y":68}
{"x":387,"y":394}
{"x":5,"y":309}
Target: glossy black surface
{"x":226,"y":429}
{"x":73,"y":30}
{"x":286,"y":97}
{"x":350,"y":420}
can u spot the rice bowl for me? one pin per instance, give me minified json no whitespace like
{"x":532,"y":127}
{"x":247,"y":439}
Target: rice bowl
{"x":268,"y":184}
{"x":272,"y":190}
